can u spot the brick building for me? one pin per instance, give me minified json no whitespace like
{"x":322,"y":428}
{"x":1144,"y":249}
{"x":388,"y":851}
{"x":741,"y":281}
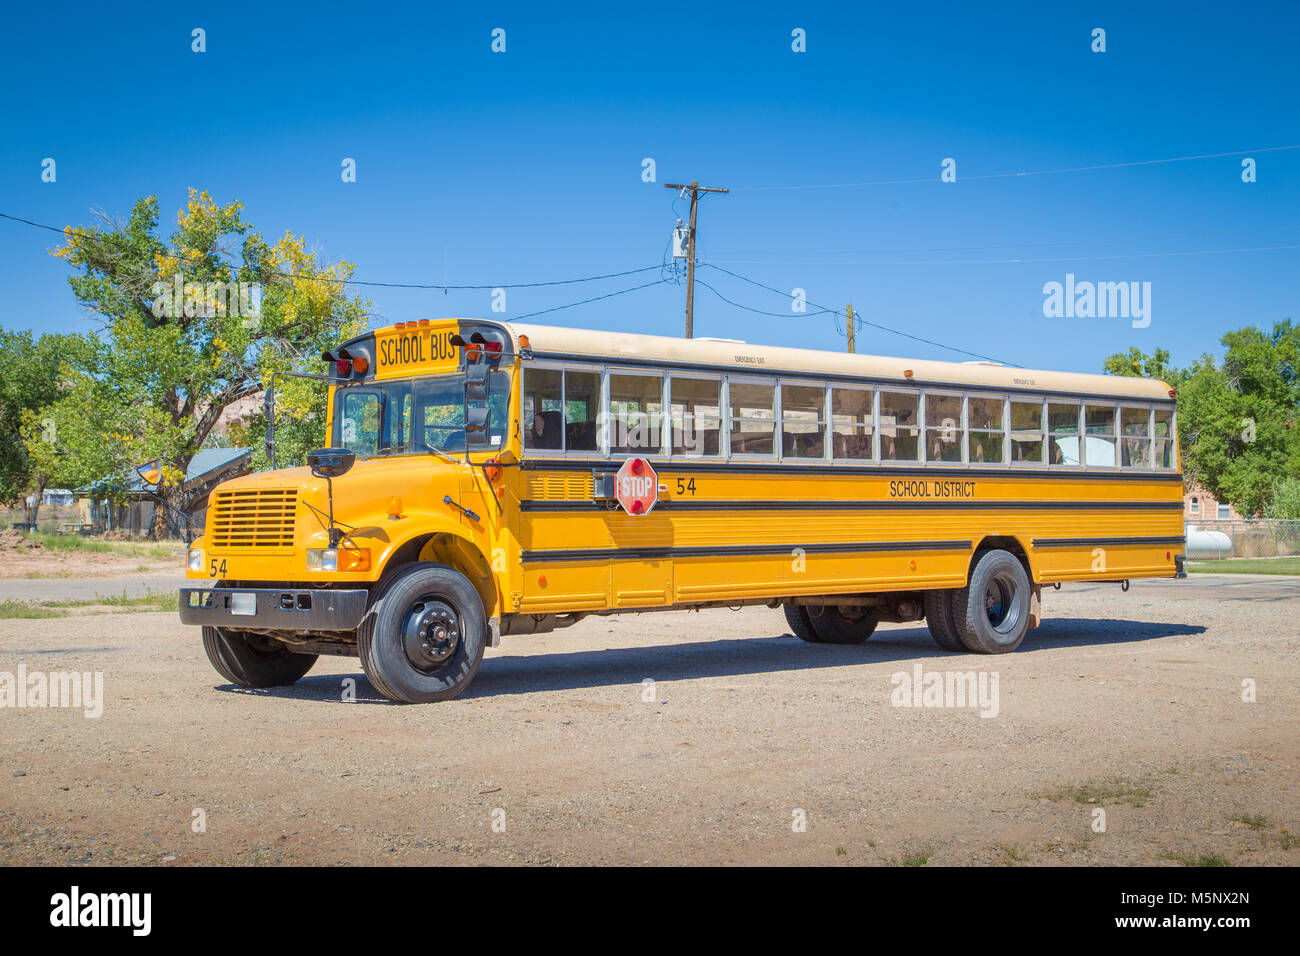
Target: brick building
{"x":1200,"y":506}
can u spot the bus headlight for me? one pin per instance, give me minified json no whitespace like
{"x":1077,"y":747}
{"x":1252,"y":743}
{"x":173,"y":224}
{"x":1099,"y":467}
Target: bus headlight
{"x":338,"y":559}
{"x":196,"y":559}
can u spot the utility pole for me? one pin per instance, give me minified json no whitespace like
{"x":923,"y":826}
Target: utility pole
{"x":695,"y":189}
{"x":851,"y":325}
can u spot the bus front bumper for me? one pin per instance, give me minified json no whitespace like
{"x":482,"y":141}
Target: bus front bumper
{"x":310,"y":609}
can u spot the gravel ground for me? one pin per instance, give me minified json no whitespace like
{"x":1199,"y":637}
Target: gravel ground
{"x":559,"y":753}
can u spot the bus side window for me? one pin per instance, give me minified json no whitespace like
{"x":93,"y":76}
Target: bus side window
{"x":1164,"y":438}
{"x":986,"y":429}
{"x":899,"y":431}
{"x":1135,"y":429}
{"x":943,"y":427}
{"x":696,"y":415}
{"x":803,"y":425}
{"x":1063,"y":422}
{"x":852,"y":423}
{"x":543,"y":412}
{"x":581,"y":403}
{"x":1099,"y":434}
{"x":635,"y":414}
{"x":1027,"y":432}
{"x":753,"y":418}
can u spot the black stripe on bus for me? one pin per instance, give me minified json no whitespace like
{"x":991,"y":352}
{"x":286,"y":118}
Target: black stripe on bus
{"x":678,"y":466}
{"x":687,"y":504}
{"x":600,"y":554}
{"x":615,"y":362}
{"x":1094,"y":542}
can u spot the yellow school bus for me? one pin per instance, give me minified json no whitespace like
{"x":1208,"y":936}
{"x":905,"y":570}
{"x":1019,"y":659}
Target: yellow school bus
{"x":484,"y":479}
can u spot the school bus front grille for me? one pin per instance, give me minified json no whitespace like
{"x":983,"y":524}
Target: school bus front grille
{"x":263,"y":518}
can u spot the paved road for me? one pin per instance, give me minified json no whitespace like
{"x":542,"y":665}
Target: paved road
{"x":83,"y":589}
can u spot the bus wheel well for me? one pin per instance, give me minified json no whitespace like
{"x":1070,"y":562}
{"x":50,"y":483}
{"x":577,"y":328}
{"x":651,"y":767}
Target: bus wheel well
{"x":1001,"y":543}
{"x":455,"y":552}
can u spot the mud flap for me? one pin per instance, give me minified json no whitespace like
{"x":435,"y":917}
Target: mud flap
{"x":1035,"y":604}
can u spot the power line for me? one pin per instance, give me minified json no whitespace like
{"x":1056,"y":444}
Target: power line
{"x":777,"y":315}
{"x":859,"y":321}
{"x":1039,"y":242}
{"x":994,"y":262}
{"x":386,"y":285}
{"x":1032,"y":172}
{"x":597,"y":298}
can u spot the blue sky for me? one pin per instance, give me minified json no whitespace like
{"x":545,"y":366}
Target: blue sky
{"x":476,"y":167}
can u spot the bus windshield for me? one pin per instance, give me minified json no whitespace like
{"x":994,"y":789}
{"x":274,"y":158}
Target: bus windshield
{"x":414,"y":416}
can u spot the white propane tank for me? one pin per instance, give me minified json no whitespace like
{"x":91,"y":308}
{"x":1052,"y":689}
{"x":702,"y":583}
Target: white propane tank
{"x":1208,"y":544}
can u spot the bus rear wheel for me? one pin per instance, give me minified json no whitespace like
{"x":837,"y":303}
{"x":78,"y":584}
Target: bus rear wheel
{"x":844,"y":624}
{"x":425,"y":641}
{"x":939,"y":619}
{"x":796,"y":615}
{"x":251,"y":660}
{"x":992,"y":612}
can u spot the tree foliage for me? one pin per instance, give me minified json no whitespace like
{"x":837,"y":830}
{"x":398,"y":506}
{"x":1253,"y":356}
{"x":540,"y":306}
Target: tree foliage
{"x":35,"y":376}
{"x":189,"y":325}
{"x":1239,"y":419}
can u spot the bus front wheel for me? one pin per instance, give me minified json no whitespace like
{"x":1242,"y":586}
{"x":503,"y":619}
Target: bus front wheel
{"x":992,"y":612}
{"x":425,"y":641}
{"x":251,"y":660}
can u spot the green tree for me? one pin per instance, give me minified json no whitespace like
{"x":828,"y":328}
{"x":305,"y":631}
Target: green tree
{"x":1138,"y":364}
{"x":192,"y":324}
{"x":1239,"y":419}
{"x":1285,"y":502}
{"x":34,"y":377}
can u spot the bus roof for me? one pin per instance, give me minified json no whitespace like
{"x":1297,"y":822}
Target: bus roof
{"x":555,"y":342}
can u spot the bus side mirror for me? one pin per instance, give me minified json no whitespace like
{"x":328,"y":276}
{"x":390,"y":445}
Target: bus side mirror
{"x":330,"y":462}
{"x":476,"y":382}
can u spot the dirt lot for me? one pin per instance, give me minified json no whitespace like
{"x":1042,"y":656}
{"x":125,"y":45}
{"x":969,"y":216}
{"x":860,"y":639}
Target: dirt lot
{"x":1131,"y":703}
{"x":25,"y":558}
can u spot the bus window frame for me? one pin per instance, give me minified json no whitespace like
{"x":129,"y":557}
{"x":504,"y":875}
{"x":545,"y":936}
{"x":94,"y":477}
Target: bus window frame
{"x":1005,"y":399}
{"x":772,"y":382}
{"x":918,"y":461}
{"x":604,"y":427}
{"x":724,"y":442}
{"x":1172,"y":437}
{"x":876,"y":390}
{"x":1044,"y":433}
{"x":822,"y":415}
{"x":1150,"y":435}
{"x":1113,"y":405}
{"x":874,"y":423}
{"x":526,"y":449}
{"x":1078,"y":433}
{"x":926,"y":428}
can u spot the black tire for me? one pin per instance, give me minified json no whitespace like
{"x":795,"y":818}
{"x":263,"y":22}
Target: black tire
{"x":796,"y":615}
{"x":992,"y":612}
{"x":843,"y":625}
{"x":939,"y":618}
{"x":426,"y":639}
{"x":250,"y":660}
